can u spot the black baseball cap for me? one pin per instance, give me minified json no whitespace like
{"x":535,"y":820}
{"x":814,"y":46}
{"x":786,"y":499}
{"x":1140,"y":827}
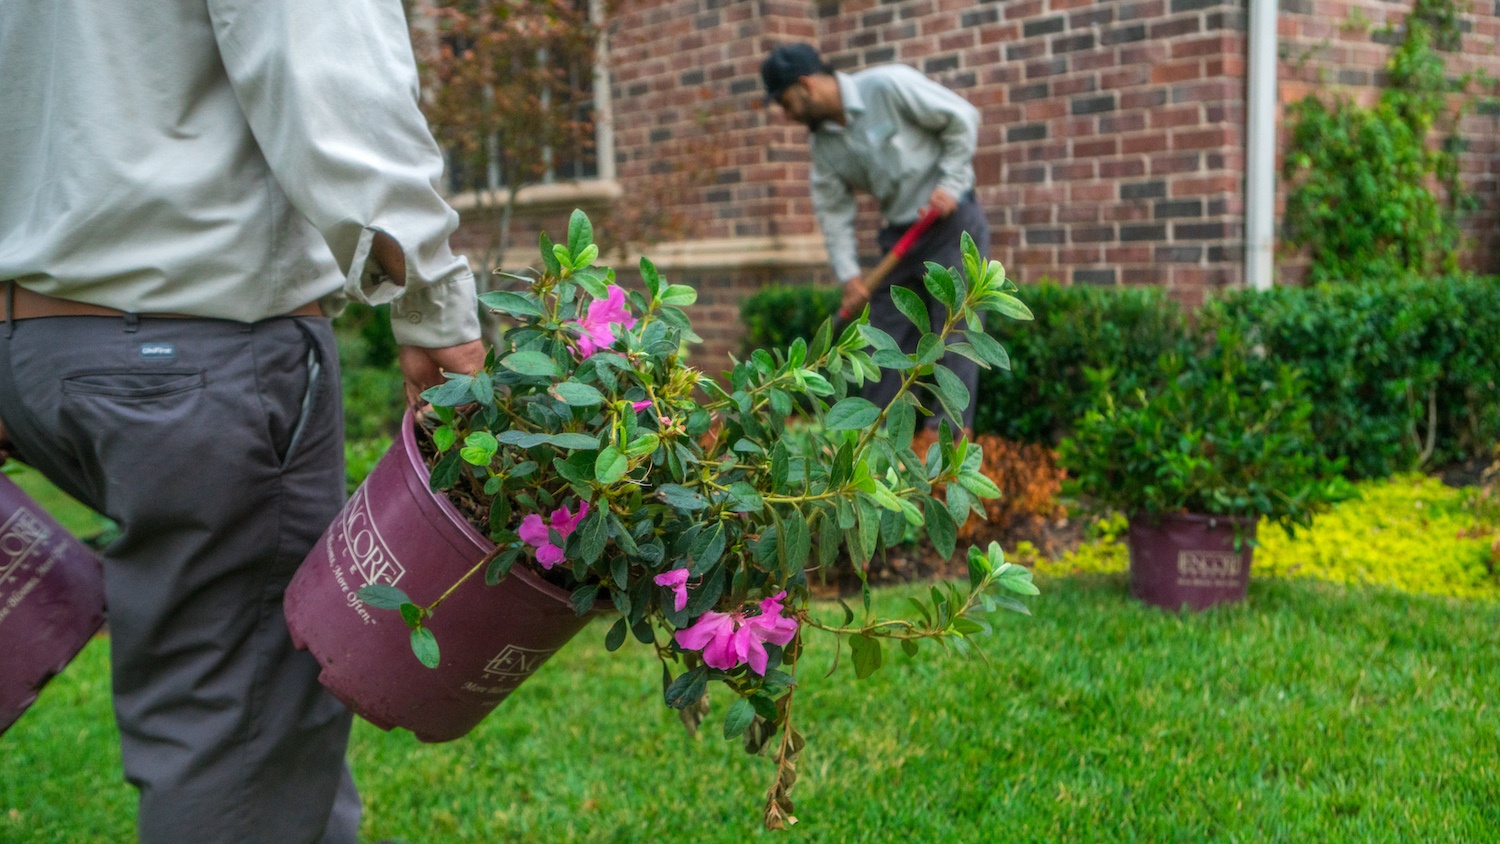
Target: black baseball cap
{"x":786,"y":64}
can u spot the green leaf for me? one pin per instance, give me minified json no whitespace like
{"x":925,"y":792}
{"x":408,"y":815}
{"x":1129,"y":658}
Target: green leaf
{"x":610,"y":466}
{"x":500,"y":566}
{"x":644,"y":444}
{"x":483,"y":444}
{"x":746,"y":499}
{"x":741,"y":713}
{"x":482,"y":388}
{"x":708,"y":548}
{"x":681,"y":497}
{"x":593,"y":533}
{"x":411,"y":614}
{"x":940,"y":527}
{"x":978,"y":484}
{"x":891,"y":359}
{"x":382,"y":596}
{"x":591,"y":281}
{"x":580,"y":234}
{"x":866,"y":655}
{"x":900,"y":424}
{"x":586,"y":258}
{"x":507,"y":302}
{"x":798,"y":540}
{"x":688,"y":688}
{"x":457,"y":391}
{"x":955,"y":394}
{"x":616,"y":635}
{"x":679,"y":295}
{"x":930,"y":349}
{"x":425,"y":646}
{"x":650,"y":276}
{"x":851,"y":414}
{"x":909,"y":646}
{"x":549,"y":255}
{"x":780,"y":466}
{"x":583,"y":598}
{"x":909,"y":303}
{"x":576,"y":394}
{"x":1018,"y":580}
{"x":573,"y":441}
{"x":940,"y":284}
{"x":989,"y":348}
{"x":443,"y":438}
{"x":446,"y":473}
{"x":1012,"y":307}
{"x":533,"y":363}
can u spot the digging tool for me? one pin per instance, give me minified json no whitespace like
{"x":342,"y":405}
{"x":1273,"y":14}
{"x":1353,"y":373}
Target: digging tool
{"x":875,"y":279}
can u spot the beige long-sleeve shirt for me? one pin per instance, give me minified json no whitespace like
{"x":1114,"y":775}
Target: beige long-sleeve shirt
{"x":223,"y":158}
{"x":903,"y":135}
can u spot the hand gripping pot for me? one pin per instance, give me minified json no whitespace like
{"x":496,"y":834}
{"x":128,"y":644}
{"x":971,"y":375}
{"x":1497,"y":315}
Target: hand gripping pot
{"x":51,"y":599}
{"x":395,"y":530}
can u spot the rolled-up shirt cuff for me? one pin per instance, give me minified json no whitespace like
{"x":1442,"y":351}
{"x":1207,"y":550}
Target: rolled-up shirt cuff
{"x":437,"y":315}
{"x":429,"y":315}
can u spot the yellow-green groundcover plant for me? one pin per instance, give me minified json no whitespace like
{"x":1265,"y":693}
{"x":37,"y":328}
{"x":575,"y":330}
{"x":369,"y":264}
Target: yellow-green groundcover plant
{"x":1409,"y":532}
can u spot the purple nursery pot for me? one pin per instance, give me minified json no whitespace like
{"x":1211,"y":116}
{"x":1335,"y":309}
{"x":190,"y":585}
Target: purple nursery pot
{"x":395,"y":530}
{"x":1189,"y":560}
{"x":51,"y":599}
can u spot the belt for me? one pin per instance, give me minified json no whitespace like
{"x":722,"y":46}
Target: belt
{"x":23,"y":303}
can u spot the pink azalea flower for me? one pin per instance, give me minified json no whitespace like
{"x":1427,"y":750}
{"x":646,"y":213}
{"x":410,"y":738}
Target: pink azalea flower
{"x":640,"y":405}
{"x":597,"y":326}
{"x":676,"y":580}
{"x":713,"y":634}
{"x":730,"y":639}
{"x":537,"y":532}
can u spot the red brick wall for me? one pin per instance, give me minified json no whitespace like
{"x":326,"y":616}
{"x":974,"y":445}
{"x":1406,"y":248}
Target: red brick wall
{"x":1339,"y":48}
{"x":1112,"y":140}
{"x":1112,"y":133}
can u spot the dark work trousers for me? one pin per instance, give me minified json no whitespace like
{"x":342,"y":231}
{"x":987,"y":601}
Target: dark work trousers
{"x":940,"y":244}
{"x":218,"y":449}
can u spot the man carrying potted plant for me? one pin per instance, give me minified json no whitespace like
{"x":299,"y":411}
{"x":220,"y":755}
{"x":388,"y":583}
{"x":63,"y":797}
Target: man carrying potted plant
{"x":893,"y":133}
{"x":180,"y":199}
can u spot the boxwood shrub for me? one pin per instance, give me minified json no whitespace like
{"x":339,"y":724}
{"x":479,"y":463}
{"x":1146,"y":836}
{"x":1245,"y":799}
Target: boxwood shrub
{"x":780,"y":313}
{"x":1404,"y":373}
{"x":1081,"y":337}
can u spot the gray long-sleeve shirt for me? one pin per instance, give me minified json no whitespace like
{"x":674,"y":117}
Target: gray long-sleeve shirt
{"x":903,"y":136}
{"x":223,"y":158}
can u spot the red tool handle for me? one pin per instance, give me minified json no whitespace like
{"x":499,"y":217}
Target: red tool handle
{"x":917,"y":229}
{"x":888,"y":263}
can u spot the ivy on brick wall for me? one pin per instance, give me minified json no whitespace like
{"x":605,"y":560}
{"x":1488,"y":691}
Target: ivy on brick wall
{"x":1372,"y":194}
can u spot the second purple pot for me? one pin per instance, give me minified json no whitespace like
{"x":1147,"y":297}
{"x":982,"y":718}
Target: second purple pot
{"x":395,"y":530}
{"x":51,"y":599}
{"x":1189,"y":560}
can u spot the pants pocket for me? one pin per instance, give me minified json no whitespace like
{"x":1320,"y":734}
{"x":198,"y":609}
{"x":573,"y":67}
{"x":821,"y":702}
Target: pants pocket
{"x":128,"y":384}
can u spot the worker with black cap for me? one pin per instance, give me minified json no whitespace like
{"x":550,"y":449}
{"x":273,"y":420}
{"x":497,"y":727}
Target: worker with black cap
{"x":891,"y":132}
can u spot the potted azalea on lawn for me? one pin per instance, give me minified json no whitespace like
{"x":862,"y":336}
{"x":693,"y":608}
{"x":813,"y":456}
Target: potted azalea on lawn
{"x":1196,"y":464}
{"x":586,"y":469}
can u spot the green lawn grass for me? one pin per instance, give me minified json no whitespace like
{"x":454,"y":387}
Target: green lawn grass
{"x":1310,"y":713}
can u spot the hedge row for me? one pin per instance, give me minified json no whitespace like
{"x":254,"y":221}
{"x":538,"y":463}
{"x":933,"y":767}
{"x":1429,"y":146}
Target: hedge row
{"x":1404,"y":373}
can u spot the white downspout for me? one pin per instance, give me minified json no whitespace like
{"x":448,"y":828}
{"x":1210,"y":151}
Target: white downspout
{"x":1260,"y":147}
{"x":604,"y":106}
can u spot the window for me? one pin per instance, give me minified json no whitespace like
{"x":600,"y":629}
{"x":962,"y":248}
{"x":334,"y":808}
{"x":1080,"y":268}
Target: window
{"x":512,"y":91}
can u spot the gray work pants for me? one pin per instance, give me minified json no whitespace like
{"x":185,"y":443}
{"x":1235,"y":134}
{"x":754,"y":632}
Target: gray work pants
{"x":218,"y":449}
{"x":940,"y":244}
